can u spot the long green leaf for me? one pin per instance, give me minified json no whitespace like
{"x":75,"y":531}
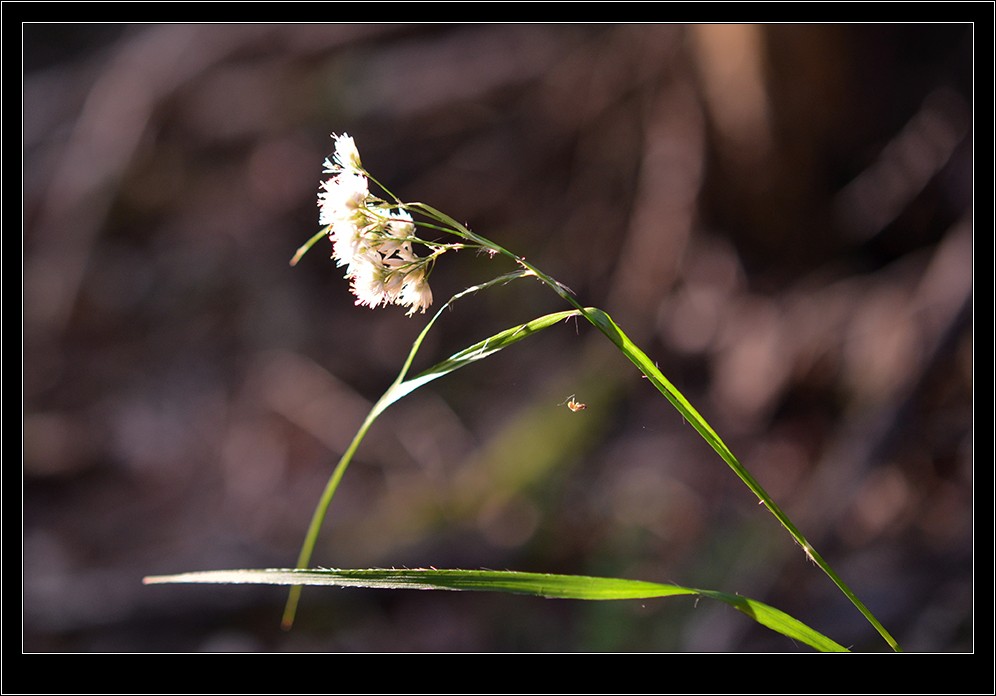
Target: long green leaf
{"x":478,"y":351}
{"x":608,"y":327}
{"x":536,"y":584}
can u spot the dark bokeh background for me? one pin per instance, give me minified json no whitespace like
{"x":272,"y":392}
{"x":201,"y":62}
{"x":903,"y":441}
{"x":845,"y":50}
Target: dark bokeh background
{"x":780,"y":216}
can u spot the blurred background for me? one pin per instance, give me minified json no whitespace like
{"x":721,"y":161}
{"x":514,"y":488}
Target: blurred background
{"x":779,"y":215}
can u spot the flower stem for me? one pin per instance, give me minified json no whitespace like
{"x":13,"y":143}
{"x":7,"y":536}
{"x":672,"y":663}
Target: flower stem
{"x":304,"y":248}
{"x":393,"y":393}
{"x":321,"y":511}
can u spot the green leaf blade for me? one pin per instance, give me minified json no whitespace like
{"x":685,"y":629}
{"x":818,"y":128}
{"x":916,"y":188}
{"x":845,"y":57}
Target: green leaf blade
{"x":615,"y":334}
{"x":480,"y":350}
{"x":551,"y":586}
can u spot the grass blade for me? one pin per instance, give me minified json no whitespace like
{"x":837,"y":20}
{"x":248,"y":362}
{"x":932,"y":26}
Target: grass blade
{"x":478,"y":351}
{"x":608,"y":327}
{"x":536,"y":584}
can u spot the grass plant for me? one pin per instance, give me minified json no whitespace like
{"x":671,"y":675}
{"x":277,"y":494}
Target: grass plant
{"x":388,"y":249}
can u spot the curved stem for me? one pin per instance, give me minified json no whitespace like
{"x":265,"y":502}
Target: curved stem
{"x":303,"y":249}
{"x":393,"y":393}
{"x":321,"y":511}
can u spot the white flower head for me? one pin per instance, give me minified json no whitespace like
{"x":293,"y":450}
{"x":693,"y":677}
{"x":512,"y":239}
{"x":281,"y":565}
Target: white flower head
{"x":367,"y":278}
{"x":372,"y":240}
{"x":395,"y":276}
{"x":341,"y":197}
{"x":347,"y":157}
{"x":346,"y":241}
{"x":416,"y":292}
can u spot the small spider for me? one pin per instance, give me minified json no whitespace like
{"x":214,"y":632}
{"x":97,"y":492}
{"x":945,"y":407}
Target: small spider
{"x":574,"y":405}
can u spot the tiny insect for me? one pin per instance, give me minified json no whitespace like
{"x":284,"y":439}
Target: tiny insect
{"x":574,"y":405}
